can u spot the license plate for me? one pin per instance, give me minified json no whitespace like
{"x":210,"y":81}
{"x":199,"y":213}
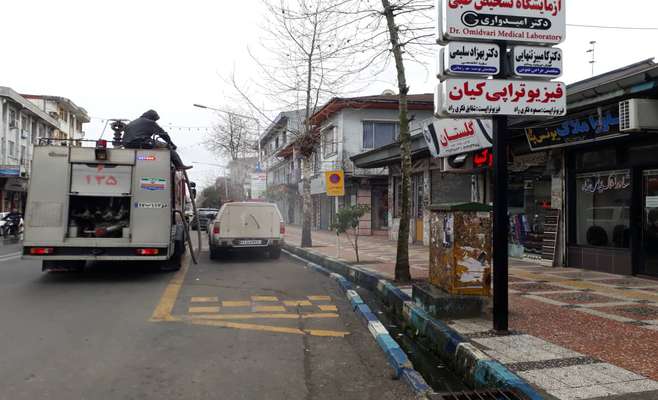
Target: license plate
{"x":251,"y":242}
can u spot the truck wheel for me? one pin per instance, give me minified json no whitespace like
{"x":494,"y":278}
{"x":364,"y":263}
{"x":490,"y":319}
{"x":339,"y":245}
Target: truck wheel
{"x":172,"y":264}
{"x":275,"y":252}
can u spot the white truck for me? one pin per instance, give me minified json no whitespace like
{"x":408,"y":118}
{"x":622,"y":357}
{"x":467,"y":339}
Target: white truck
{"x":94,"y":203}
{"x":247,"y":226}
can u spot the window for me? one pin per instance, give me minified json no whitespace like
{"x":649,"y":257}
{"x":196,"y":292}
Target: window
{"x":317,"y":163}
{"x":25,"y":125}
{"x":12,"y":149}
{"x":378,"y":134}
{"x":23,"y":155}
{"x":329,"y":147}
{"x":13,"y":119}
{"x":603,"y":204}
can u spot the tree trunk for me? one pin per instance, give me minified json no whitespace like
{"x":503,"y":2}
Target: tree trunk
{"x":307,"y":204}
{"x":402,"y":273}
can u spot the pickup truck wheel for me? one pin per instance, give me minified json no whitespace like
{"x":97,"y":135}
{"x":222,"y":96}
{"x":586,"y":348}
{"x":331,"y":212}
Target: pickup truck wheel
{"x":214,"y":252}
{"x":275,"y":252}
{"x":172,"y":264}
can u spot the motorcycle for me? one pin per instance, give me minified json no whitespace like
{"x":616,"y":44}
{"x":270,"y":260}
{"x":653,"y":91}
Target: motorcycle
{"x":12,"y":227}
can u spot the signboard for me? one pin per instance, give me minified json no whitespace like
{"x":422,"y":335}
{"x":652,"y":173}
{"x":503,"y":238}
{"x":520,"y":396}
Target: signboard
{"x":463,"y":58}
{"x":523,"y":21}
{"x":579,"y":129}
{"x":500,"y":97}
{"x":258,"y":185}
{"x":10,"y":170}
{"x":335,"y":182}
{"x":448,"y":137}
{"x":16,"y":185}
{"x":537,"y":62}
{"x":99,"y":180}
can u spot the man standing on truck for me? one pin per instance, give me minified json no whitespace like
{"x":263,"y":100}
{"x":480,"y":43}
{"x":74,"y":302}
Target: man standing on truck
{"x":138,"y":133}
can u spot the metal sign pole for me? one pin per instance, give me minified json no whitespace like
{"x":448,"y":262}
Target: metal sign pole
{"x":500,"y":216}
{"x":500,"y":224}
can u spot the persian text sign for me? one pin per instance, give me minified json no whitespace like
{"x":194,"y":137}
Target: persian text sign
{"x":537,"y":62}
{"x":500,"y":97}
{"x":258,"y":185}
{"x":463,"y":58}
{"x":447,"y":137}
{"x":576,"y":130}
{"x":524,"y":21}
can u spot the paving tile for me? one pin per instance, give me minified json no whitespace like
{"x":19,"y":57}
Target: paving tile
{"x":619,"y":374}
{"x":638,"y":312}
{"x":581,"y":393}
{"x":579,"y":298}
{"x":542,"y":380}
{"x":644,"y":385}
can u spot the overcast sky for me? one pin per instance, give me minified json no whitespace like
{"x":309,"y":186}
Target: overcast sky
{"x":118,"y":58}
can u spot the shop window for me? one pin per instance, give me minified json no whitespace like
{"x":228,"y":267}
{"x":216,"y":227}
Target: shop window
{"x":450,"y":188}
{"x":378,"y":134}
{"x":600,"y":159}
{"x":603,"y":204}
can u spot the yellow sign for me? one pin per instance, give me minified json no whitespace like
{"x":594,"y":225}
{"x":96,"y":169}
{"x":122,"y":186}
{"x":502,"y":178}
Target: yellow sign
{"x":335,"y":183}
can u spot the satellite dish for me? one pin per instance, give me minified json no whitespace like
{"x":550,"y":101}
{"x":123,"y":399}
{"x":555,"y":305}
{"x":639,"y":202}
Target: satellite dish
{"x":388,"y":92}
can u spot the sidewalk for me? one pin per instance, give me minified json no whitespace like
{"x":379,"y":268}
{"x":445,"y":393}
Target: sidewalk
{"x":576,"y":334}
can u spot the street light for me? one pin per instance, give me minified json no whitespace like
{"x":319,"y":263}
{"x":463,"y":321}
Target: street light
{"x":225,"y":174}
{"x":241,"y":116}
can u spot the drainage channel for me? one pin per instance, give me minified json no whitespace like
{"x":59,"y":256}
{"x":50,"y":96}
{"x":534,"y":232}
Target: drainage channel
{"x":437,"y":374}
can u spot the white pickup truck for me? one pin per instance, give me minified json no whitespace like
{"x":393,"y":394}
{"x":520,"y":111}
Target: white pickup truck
{"x":247,"y":225}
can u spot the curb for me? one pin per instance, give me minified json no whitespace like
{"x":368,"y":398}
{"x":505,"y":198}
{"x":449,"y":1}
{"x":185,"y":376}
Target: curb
{"x":396,"y":357}
{"x":476,"y":368}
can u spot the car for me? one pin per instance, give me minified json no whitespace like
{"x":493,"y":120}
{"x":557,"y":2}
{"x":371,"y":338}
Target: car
{"x":205,"y":214}
{"x":247,"y":225}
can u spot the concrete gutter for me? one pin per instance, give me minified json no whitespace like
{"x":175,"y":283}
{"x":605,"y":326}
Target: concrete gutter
{"x":477,"y":369}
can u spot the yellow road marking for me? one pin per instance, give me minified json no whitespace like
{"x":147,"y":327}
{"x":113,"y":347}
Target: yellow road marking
{"x":204,"y":299}
{"x":236,"y":303}
{"x":269,"y":309}
{"x":292,"y":303}
{"x":328,"y":308}
{"x":324,"y":333}
{"x":166,"y":304}
{"x":264,"y":316}
{"x":268,"y":328}
{"x":264,"y":298}
{"x":201,"y":310}
{"x":319,"y":298}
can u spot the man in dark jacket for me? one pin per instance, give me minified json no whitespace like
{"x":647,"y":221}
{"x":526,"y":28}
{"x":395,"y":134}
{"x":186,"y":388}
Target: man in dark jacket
{"x":137,"y":135}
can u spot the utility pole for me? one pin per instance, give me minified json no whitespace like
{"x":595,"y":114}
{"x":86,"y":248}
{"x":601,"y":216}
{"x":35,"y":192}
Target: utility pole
{"x":593,"y":51}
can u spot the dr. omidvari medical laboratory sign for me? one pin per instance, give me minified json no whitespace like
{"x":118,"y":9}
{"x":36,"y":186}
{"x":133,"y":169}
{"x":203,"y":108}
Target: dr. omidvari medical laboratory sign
{"x":523,"y":21}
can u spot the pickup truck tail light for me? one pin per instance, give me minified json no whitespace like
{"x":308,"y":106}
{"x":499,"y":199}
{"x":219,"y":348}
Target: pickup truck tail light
{"x":215,"y":229}
{"x":282,"y":228}
{"x":148,"y":252}
{"x":40,"y":251}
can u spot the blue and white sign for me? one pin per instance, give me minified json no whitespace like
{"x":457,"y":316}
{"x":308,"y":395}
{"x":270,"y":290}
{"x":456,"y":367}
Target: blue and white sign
{"x":468,"y":58}
{"x":537,"y":62}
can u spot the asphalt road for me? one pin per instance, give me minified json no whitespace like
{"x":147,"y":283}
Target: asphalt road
{"x":240,"y":328}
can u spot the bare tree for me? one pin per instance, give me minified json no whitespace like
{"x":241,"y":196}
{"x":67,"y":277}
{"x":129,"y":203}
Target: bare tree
{"x":313,"y":56}
{"x":232,"y":137}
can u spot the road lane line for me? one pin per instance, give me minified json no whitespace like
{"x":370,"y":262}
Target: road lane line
{"x":269,"y":309}
{"x":166,"y":304}
{"x":293,"y":303}
{"x":9,"y":257}
{"x":203,"y":310}
{"x":229,"y":304}
{"x":265,"y":298}
{"x":319,"y":298}
{"x":327,"y":308}
{"x":263,"y":316}
{"x":204,"y":300}
{"x":267,"y":328}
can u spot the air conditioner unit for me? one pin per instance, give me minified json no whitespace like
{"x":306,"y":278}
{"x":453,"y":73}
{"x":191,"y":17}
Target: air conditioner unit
{"x":638,"y":115}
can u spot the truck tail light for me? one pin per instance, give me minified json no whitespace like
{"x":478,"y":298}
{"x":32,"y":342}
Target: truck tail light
{"x":282,"y":228}
{"x":215,"y":229}
{"x":101,"y":150}
{"x":40,"y":251}
{"x":148,"y":252}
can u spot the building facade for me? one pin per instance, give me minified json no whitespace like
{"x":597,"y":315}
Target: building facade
{"x":592,"y":176}
{"x":70,"y":117}
{"x":351,"y":126}
{"x":22,"y":124}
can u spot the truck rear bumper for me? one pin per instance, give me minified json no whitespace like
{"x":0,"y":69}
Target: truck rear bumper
{"x":243,"y":243}
{"x":95,"y":253}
